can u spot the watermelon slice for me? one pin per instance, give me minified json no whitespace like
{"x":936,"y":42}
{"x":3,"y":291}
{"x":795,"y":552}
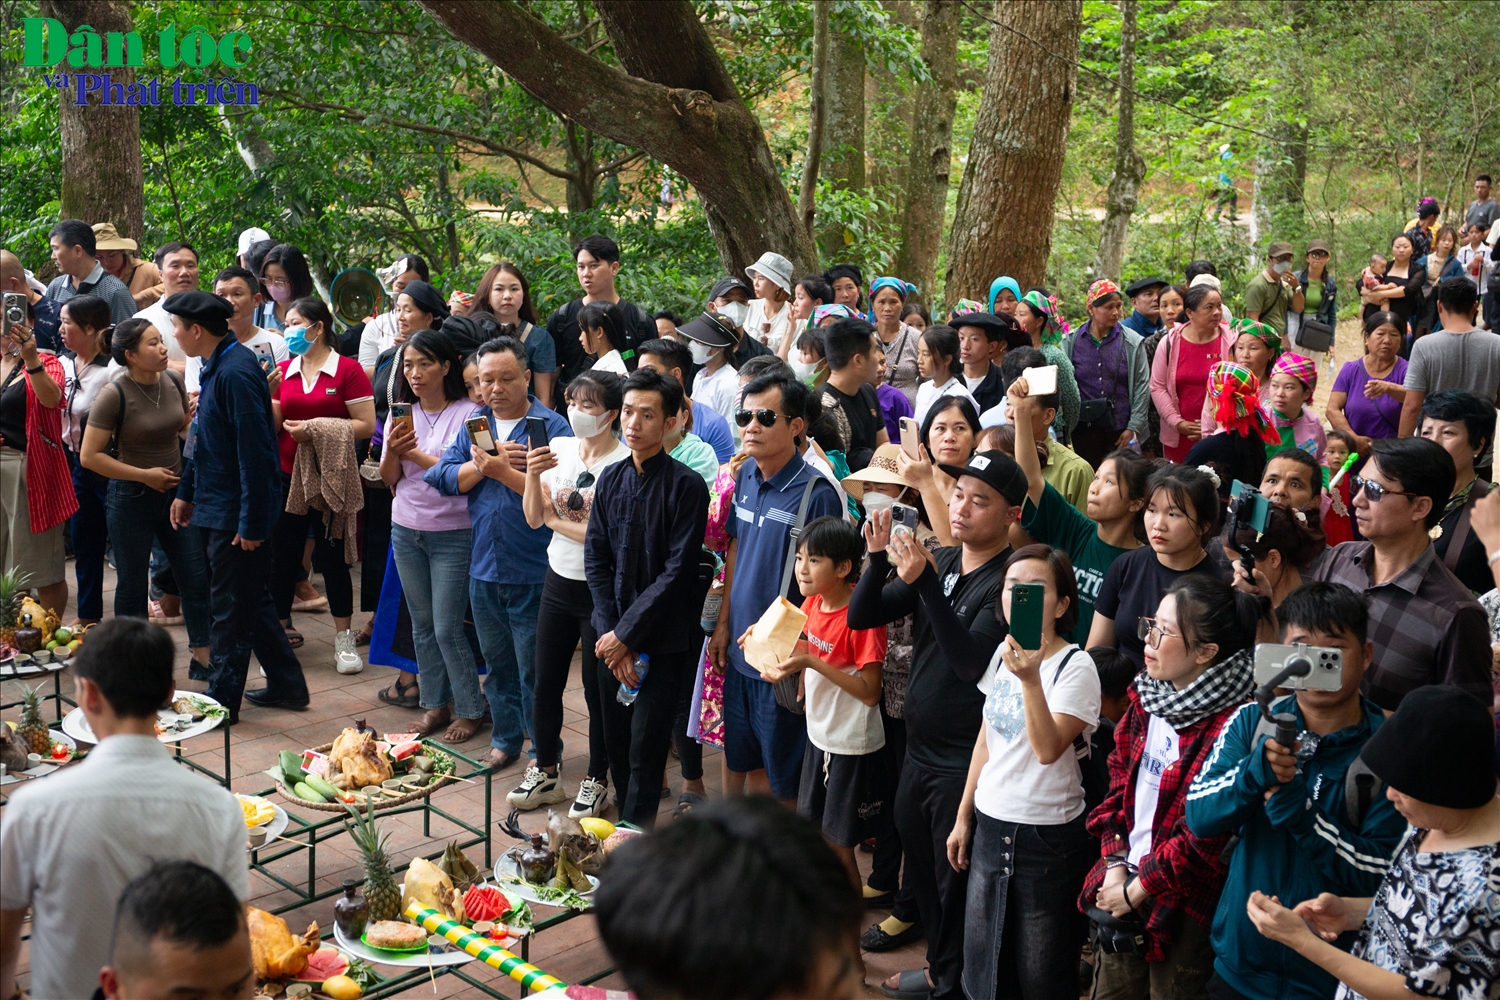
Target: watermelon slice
{"x":323,"y":964}
{"x":405,"y":750}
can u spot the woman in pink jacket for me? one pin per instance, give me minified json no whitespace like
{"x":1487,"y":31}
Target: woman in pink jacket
{"x":1179,"y":372}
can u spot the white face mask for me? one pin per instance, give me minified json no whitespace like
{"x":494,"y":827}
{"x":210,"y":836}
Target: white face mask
{"x":735,"y":312}
{"x":701,"y":352}
{"x":876,"y":501}
{"x":1281,"y":266}
{"x":804,"y":369}
{"x":586,"y":425}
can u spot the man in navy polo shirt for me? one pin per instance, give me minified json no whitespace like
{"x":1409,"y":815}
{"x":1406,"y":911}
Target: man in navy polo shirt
{"x":509,"y":561}
{"x":762,"y":740}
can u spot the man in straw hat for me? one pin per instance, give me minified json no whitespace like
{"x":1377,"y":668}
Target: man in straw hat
{"x":117,"y":256}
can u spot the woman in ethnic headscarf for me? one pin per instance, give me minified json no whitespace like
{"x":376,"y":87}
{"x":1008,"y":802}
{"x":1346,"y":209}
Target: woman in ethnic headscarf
{"x":901,"y":342}
{"x":1039,"y":315}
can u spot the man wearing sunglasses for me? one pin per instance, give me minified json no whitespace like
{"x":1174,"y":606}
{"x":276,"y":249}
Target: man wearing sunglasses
{"x":1425,"y":624}
{"x":763,"y":741}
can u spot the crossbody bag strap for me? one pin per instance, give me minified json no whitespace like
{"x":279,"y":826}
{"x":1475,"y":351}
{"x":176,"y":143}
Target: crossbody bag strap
{"x":526,"y":332}
{"x":796,"y":532}
{"x":1461,"y":529}
{"x":1081,"y":748}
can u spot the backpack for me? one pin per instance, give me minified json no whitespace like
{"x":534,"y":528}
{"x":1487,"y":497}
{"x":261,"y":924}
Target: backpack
{"x":1361,"y":785}
{"x":1091,"y":753}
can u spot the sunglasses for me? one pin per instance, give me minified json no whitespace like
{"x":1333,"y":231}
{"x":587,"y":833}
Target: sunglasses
{"x":766,"y":418}
{"x":1149,"y":632}
{"x":1373,"y":490}
{"x":575,"y":499}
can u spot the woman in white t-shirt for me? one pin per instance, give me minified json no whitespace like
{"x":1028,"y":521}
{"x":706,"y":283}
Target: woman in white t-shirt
{"x":770,"y":317}
{"x":559,"y":495}
{"x":601,"y":331}
{"x":1020,"y":827}
{"x":937,"y":359}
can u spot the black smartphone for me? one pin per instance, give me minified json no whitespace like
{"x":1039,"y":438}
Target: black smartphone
{"x":400,"y":418}
{"x":536,"y":431}
{"x":1026,"y":613}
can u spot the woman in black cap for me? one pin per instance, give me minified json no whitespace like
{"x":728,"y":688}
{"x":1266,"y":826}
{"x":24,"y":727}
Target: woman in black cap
{"x":1433,"y":926}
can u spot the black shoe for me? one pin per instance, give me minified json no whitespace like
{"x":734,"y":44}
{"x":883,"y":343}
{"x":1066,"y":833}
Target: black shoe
{"x":666,"y":793}
{"x":198,"y":671}
{"x":876,"y":939}
{"x":884,"y":901}
{"x":263,"y":698}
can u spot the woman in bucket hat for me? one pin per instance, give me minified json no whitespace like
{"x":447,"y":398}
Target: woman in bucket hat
{"x":770,"y":316}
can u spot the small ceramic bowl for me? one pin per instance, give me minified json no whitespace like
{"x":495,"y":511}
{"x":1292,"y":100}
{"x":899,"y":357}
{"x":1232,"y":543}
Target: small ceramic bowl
{"x":438,"y":943}
{"x":390,"y":783}
{"x":33,"y":760}
{"x":258,"y":837}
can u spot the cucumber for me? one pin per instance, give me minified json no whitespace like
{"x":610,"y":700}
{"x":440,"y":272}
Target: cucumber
{"x":322,"y":787}
{"x":302,"y":791}
{"x":291,"y":766}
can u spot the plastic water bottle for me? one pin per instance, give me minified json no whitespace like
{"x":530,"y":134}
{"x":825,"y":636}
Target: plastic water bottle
{"x":626,"y":695}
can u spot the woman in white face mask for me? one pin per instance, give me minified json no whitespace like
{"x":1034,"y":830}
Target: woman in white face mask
{"x":810,"y":364}
{"x":559,"y":494}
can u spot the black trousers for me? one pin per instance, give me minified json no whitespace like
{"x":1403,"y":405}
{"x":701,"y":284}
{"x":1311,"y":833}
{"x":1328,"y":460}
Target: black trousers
{"x":377,"y":544}
{"x":885,"y":869}
{"x":290,"y":538}
{"x":926,"y":809}
{"x":563,"y":618}
{"x":640,"y":736}
{"x":244,"y":622}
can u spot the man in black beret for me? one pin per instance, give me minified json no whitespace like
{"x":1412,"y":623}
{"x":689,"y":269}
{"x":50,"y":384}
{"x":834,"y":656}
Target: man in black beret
{"x":1145,"y":316}
{"x":231,"y":492}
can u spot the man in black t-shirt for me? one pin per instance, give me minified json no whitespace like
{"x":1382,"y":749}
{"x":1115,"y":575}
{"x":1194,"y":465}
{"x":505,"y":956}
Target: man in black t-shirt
{"x":849,"y":347}
{"x":955,"y":632}
{"x":597,"y":260}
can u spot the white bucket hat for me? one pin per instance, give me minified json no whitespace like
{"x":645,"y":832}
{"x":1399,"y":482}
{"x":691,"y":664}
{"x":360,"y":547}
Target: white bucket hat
{"x":774,"y":267}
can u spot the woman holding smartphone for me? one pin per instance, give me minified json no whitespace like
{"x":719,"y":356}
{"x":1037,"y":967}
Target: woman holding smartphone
{"x":144,"y":412}
{"x":947,"y":437}
{"x":1020,"y":828}
{"x":86,"y":330}
{"x":316,"y":383}
{"x":559,"y":495}
{"x":431,"y":535}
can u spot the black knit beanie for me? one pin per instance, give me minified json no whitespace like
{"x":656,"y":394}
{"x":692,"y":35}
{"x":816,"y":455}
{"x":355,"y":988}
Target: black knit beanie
{"x":1439,"y":748}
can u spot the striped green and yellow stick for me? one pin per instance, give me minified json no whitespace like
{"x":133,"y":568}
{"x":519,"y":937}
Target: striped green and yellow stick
{"x":485,"y":950}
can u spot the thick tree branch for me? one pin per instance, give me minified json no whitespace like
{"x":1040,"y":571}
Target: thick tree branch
{"x":663,"y":41}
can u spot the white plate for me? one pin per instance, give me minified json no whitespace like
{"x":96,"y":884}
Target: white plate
{"x":358,"y":949}
{"x":76,"y":726}
{"x":507,"y":866}
{"x":274,"y":827}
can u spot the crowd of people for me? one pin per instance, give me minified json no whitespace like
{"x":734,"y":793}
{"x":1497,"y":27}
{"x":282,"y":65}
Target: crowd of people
{"x":979,"y":595}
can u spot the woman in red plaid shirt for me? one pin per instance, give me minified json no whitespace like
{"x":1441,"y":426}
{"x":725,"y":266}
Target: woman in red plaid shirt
{"x":1153,"y":870}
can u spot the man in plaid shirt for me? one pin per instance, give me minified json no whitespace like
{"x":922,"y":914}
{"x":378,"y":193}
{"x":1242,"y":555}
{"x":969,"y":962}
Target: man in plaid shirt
{"x":1426,"y":626}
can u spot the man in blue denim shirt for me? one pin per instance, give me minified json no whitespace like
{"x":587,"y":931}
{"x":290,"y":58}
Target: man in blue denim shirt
{"x":231,"y":491}
{"x":509,"y":562}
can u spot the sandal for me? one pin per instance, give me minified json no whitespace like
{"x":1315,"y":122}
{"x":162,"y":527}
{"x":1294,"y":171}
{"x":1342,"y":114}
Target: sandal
{"x":431,"y":721}
{"x":461,"y":731}
{"x":294,"y":638}
{"x":362,"y":637}
{"x":910,"y":985}
{"x":401,"y":699}
{"x":159,"y":617}
{"x":685,"y":803}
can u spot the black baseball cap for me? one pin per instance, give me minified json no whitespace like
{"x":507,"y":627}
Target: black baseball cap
{"x":726,"y":285}
{"x":996,"y":470}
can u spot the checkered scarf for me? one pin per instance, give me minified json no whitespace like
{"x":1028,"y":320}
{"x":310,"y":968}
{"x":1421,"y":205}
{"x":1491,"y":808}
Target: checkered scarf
{"x":1235,"y":392}
{"x":963,"y":307}
{"x":1298,"y":367}
{"x":1217,"y":688}
{"x":1099,"y":290}
{"x":1055,"y":327}
{"x":1264,"y":331}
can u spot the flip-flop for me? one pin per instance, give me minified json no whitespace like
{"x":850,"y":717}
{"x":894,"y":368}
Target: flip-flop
{"x":294,"y":638}
{"x":910,"y":985}
{"x":685,"y":803}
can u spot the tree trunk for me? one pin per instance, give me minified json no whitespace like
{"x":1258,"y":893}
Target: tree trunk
{"x":807,"y":199}
{"x":931,"y":159}
{"x":1003,"y":222}
{"x":101,"y":146}
{"x":1130,"y":166}
{"x":1281,"y":176}
{"x":844,"y":127}
{"x":673,"y":99}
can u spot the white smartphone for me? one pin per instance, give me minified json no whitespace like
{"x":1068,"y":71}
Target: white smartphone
{"x":911,"y":438}
{"x":1040,"y":381}
{"x":479,"y":433}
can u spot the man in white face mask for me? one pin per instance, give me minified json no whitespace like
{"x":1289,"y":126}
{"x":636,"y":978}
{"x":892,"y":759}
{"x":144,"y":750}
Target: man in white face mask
{"x":1274,"y":291}
{"x":711,"y":339}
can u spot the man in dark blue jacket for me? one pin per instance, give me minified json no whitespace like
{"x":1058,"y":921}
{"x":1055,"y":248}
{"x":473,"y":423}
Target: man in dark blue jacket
{"x":641,"y":559}
{"x":1310,"y":819}
{"x":231,"y":491}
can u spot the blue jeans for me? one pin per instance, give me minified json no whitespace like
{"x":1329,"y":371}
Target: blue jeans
{"x":90,"y":538}
{"x":434,"y":569}
{"x":138,"y":516}
{"x":505,"y":618}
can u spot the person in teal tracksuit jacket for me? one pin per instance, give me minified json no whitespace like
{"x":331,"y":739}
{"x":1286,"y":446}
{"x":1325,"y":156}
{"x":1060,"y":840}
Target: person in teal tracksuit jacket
{"x":1311,"y":835}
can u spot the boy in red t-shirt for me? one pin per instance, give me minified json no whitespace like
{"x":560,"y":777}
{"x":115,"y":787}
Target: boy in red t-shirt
{"x":845,"y":783}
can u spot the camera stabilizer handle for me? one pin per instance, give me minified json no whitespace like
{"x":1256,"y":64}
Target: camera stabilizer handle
{"x":1286,"y":723}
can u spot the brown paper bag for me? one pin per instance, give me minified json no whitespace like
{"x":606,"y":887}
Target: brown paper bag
{"x":773,"y":638}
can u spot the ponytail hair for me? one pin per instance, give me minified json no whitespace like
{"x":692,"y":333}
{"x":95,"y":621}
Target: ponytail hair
{"x":126,"y":337}
{"x":315,"y":310}
{"x":1191,"y":490}
{"x":1211,"y":611}
{"x":93,"y":313}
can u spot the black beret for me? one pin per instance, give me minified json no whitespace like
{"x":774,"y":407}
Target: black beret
{"x":199,"y":306}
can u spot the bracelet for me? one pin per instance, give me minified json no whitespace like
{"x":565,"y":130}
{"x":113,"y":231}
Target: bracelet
{"x":37,"y":370}
{"x":1119,"y":863}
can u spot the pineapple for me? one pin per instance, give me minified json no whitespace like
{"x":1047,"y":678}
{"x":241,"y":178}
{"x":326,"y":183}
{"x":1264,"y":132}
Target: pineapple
{"x":33,"y":730}
{"x":380,"y":886}
{"x":12,"y":592}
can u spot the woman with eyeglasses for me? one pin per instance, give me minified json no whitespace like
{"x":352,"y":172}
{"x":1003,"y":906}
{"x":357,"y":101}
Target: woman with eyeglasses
{"x":1154,"y":875}
{"x":284,"y":278}
{"x":559,"y":495}
{"x":431,"y":534}
{"x":1182,"y":516}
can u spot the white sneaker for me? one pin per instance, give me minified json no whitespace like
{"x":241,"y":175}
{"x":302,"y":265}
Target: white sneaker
{"x":592,"y":798}
{"x":537,"y":789}
{"x":345,"y":659}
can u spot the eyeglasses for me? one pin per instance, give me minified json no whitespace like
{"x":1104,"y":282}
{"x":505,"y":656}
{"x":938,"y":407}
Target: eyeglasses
{"x":766,"y":418}
{"x":575,"y":499}
{"x":1374,"y":490}
{"x":1152,"y":634}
